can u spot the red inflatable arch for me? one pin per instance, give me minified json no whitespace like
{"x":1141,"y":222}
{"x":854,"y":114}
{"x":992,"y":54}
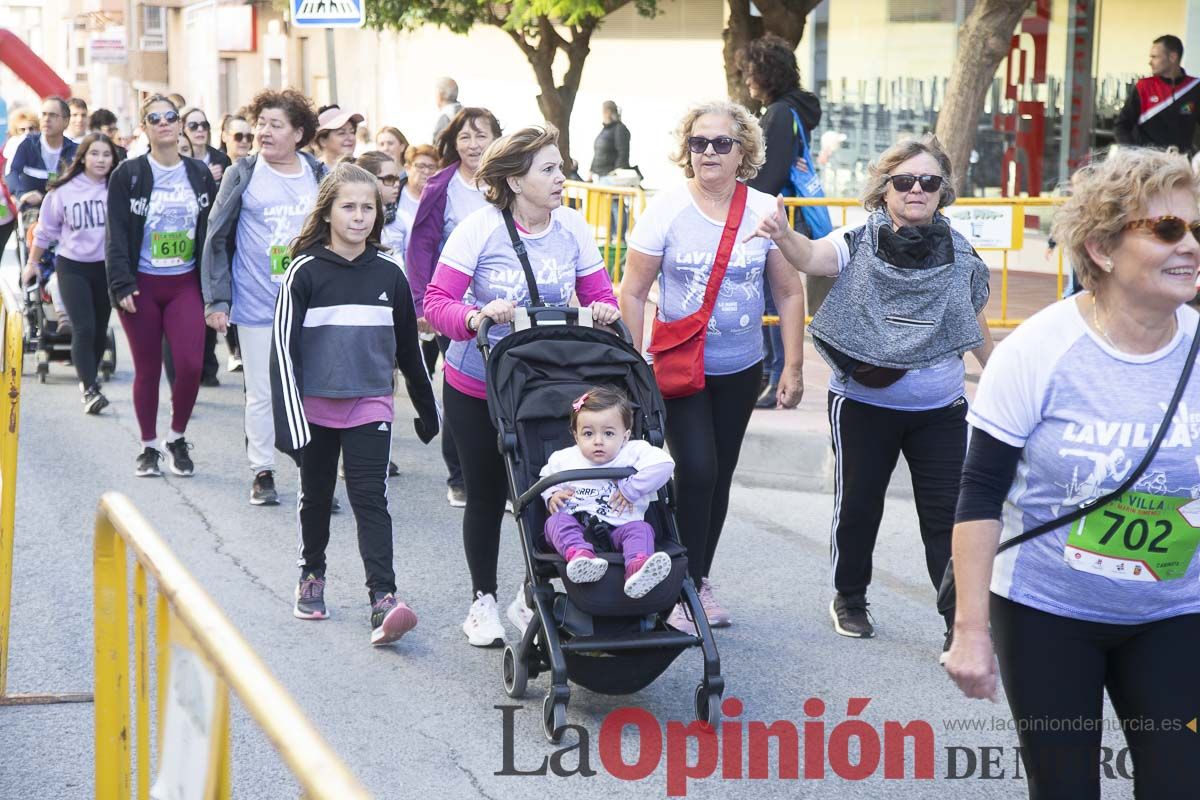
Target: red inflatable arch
{"x":27,"y":66}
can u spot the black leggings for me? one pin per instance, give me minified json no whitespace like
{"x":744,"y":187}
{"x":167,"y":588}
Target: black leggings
{"x":1055,"y":671}
{"x":704,"y":434}
{"x":84,"y":290}
{"x":867,"y":442}
{"x":454,"y":469}
{"x":485,"y":480}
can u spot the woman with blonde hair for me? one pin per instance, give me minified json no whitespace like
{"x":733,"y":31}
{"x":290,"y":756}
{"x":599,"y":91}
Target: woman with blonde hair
{"x":325,"y":408}
{"x":1102,"y":595}
{"x":906,"y":304}
{"x":683,"y":240}
{"x":480,"y":275}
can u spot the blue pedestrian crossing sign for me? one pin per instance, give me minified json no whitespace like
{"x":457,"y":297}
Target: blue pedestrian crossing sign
{"x":328,"y":13}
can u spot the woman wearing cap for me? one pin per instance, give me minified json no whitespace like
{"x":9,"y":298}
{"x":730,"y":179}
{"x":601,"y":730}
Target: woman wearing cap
{"x":896,"y":347}
{"x":335,"y":135}
{"x":259,"y":210}
{"x":448,"y":198}
{"x":675,"y":241}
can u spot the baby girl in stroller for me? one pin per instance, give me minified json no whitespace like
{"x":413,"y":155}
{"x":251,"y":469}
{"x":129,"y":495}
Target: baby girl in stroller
{"x":606,"y":515}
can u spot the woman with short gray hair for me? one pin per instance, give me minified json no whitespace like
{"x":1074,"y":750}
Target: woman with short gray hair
{"x":906,"y":304}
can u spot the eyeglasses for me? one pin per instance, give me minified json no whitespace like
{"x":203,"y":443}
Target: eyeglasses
{"x":720,"y":145}
{"x":241,"y":137}
{"x":904,"y":183}
{"x":419,"y":167}
{"x":198,"y":126}
{"x":388,"y":180}
{"x":155,"y":117}
{"x":1167,"y":229}
{"x":51,"y":115}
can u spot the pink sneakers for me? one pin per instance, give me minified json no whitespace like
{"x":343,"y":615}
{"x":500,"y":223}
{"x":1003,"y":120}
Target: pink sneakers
{"x":718,"y":617}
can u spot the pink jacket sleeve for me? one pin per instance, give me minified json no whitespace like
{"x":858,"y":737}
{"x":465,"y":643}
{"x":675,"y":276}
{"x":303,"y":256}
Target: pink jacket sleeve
{"x":444,"y":308}
{"x":596,"y":287}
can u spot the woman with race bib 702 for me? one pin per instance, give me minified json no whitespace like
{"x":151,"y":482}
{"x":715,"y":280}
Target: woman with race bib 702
{"x":1066,"y":410}
{"x":158,"y":208}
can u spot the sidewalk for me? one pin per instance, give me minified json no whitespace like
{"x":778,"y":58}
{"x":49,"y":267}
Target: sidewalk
{"x":791,"y":449}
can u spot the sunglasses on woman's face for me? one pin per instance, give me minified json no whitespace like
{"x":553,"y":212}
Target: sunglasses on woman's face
{"x":388,"y":180}
{"x":241,"y":137}
{"x":202,"y":125}
{"x":904,"y":183}
{"x":155,"y":117}
{"x":1167,"y":229}
{"x":720,"y":145}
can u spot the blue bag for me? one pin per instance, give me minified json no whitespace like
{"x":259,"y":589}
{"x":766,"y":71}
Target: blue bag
{"x":807,"y":184}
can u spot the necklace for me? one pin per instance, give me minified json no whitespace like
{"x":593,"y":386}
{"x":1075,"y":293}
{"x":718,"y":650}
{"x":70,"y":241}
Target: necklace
{"x":712,"y":199}
{"x":1098,"y":326}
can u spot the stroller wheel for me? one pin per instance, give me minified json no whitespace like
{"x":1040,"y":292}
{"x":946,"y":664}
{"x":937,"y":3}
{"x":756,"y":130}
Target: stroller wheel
{"x":554,"y":718}
{"x":516,"y":673}
{"x":708,"y":706}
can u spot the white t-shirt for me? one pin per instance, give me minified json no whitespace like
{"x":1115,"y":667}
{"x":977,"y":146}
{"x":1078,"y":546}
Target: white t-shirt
{"x":1084,"y":415}
{"x":592,"y":497}
{"x":673,"y":228}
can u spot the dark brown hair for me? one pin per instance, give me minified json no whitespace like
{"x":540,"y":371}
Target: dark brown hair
{"x":294,"y":105}
{"x":511,"y":157}
{"x":447,"y":141}
{"x":77,"y":164}
{"x":316,"y":228}
{"x":602,"y":398}
{"x":771,"y":63}
{"x":372,"y":160}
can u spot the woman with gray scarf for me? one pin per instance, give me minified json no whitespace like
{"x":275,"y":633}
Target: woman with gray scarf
{"x":906,"y":304}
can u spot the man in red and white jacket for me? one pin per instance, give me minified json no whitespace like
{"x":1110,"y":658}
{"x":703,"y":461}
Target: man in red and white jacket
{"x":1162,"y":110}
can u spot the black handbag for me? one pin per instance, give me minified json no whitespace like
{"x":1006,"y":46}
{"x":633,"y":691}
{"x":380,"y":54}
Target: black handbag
{"x":947,"y":596}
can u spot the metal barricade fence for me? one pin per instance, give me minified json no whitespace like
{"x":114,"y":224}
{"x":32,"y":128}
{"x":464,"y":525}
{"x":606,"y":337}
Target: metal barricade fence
{"x":12,"y":351}
{"x":611,"y":211}
{"x":199,"y":655}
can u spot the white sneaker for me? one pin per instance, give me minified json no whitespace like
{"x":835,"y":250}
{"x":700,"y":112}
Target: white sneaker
{"x":582,"y":569}
{"x":653,"y":571}
{"x":483,"y":627}
{"x":234,"y":364}
{"x":519,"y":614}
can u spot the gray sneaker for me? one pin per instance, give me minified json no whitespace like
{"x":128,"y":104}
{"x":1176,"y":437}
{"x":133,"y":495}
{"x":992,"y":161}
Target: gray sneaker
{"x":456,"y":496}
{"x":262,"y":492}
{"x":310,"y":598}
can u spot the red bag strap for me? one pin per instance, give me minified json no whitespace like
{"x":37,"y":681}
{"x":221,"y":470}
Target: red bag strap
{"x":733,"y":221}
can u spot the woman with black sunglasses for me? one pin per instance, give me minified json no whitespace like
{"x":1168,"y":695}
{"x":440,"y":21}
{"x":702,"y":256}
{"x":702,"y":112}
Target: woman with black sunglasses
{"x":236,"y":136}
{"x":907,"y":302}
{"x":675,"y":241}
{"x":262,"y":205}
{"x":158,"y":208}
{"x":196,"y":127}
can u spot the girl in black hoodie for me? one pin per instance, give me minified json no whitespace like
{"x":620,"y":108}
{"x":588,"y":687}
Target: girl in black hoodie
{"x":344,"y":320}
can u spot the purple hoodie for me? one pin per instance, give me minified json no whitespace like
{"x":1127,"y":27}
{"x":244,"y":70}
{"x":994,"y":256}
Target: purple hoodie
{"x":425,"y":236}
{"x":74,"y":215}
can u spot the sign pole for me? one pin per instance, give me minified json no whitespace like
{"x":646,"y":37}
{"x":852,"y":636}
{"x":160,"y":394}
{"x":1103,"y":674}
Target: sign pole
{"x":331,"y":67}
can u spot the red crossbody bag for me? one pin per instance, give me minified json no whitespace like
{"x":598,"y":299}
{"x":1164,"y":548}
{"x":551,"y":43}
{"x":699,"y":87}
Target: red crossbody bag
{"x":678,"y":345}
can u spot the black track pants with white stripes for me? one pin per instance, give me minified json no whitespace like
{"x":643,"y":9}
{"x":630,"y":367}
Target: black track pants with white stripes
{"x":867,"y":442}
{"x":365,"y":451}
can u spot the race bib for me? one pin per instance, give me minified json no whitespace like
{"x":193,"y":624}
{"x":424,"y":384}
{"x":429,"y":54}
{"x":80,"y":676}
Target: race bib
{"x":172,"y":248}
{"x":4,"y":213}
{"x":1139,"y":537}
{"x":280,"y":260}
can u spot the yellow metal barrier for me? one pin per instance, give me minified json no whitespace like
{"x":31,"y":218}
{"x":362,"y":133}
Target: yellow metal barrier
{"x":1018,"y":205}
{"x":199,"y":655}
{"x":611,"y":211}
{"x":12,"y":352}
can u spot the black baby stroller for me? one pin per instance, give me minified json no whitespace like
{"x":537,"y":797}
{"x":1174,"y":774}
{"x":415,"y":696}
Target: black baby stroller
{"x":43,"y":334}
{"x":593,"y":635}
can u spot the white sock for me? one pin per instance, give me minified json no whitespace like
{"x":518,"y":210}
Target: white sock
{"x":173,"y":437}
{"x":151,"y":444}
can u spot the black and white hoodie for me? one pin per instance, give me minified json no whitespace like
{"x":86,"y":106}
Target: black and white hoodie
{"x":341,"y":327}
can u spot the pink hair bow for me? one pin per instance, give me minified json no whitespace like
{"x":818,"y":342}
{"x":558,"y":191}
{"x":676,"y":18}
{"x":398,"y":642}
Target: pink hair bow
{"x":578,"y":402}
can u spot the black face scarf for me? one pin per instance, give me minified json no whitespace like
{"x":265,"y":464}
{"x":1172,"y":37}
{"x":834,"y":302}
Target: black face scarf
{"x":916,"y":246}
{"x":389,"y":212}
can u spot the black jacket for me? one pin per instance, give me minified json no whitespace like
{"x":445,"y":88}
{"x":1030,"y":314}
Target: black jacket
{"x":781,"y":141}
{"x":215,"y":156}
{"x":1160,"y":112}
{"x":27,"y":173}
{"x":611,"y":150}
{"x":129,"y":189}
{"x":366,"y":311}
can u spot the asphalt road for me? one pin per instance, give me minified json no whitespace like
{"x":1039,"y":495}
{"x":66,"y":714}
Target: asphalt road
{"x":419,"y":719}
